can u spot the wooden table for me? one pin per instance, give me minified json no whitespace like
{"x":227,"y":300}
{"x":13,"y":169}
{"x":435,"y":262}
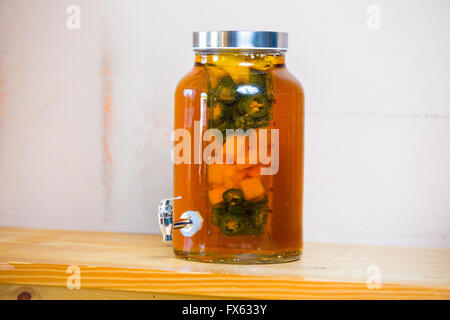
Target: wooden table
{"x":50,"y":264}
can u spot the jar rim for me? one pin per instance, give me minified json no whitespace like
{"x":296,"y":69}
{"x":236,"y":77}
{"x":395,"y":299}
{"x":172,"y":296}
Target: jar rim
{"x":237,"y":40}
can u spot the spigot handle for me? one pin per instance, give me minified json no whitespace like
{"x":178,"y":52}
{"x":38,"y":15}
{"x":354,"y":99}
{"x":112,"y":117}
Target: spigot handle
{"x":190,"y":222}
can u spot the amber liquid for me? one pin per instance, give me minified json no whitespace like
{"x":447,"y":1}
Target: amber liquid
{"x":282,"y":239}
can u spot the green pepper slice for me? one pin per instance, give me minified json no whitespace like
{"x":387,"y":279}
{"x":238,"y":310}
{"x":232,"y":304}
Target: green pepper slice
{"x":223,"y":129}
{"x":258,"y":216}
{"x":228,"y":112}
{"x":260,"y":124}
{"x":226,"y":90}
{"x":216,"y":219}
{"x":254,"y":230}
{"x":218,"y":211}
{"x":240,"y":122}
{"x":233,"y":195}
{"x":255,"y":107}
{"x":232,"y":224}
{"x":234,"y":208}
{"x":263,"y":80}
{"x":249,"y":205}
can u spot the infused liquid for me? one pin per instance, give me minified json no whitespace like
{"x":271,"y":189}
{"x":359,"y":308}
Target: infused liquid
{"x":271,"y":205}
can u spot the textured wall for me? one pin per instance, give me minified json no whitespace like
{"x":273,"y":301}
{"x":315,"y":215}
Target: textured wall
{"x":86,"y":115}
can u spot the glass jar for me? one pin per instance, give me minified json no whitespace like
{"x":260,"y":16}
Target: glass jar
{"x":238,"y":152}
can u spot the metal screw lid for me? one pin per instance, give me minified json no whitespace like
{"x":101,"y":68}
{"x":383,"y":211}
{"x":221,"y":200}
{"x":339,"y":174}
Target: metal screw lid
{"x":204,"y":40}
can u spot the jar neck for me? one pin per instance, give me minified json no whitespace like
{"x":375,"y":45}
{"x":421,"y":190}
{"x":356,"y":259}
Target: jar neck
{"x":239,"y":57}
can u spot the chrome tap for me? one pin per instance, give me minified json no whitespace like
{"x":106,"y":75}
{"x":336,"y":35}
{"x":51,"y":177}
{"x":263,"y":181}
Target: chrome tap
{"x":190,"y":222}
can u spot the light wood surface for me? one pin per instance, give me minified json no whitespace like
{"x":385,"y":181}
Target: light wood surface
{"x":39,"y":292}
{"x":128,"y":265}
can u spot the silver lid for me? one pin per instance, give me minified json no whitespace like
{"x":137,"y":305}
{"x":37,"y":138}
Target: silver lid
{"x":204,"y":40}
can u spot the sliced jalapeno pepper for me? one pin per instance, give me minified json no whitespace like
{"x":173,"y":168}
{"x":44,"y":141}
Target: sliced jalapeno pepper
{"x":233,"y":195}
{"x":226,"y":90}
{"x":243,"y":122}
{"x":232,"y":224}
{"x":218,"y":211}
{"x":254,"y":230}
{"x":255,"y":106}
{"x":258,"y":216}
{"x":228,"y":112}
{"x":258,"y":78}
{"x":215,"y":219}
{"x":263,"y":80}
{"x":223,"y":129}
{"x":235,"y":208}
{"x":249,"y":205}
{"x":260,"y":124}
{"x":224,"y":125}
{"x":240,"y":122}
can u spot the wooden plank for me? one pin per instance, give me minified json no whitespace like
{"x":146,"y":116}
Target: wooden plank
{"x":142,"y":263}
{"x":27,"y":292}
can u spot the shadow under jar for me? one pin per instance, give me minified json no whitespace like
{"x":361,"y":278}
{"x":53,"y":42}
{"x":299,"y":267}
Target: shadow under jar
{"x":247,"y":184}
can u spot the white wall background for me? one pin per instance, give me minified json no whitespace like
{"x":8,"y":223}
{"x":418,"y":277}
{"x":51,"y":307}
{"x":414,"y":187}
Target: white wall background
{"x":86,"y":115}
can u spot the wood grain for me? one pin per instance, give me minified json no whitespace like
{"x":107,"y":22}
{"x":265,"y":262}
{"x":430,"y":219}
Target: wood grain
{"x":143,"y":264}
{"x":33,"y":292}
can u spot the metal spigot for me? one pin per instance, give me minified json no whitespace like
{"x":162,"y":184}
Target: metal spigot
{"x":190,"y":222}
